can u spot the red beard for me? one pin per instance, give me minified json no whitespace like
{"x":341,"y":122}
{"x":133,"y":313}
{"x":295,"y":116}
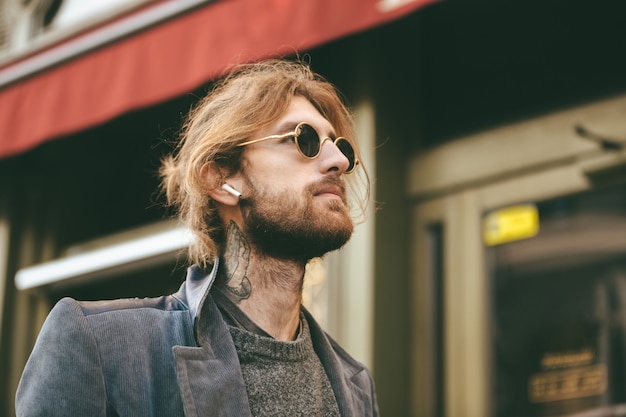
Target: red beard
{"x":288,"y":226}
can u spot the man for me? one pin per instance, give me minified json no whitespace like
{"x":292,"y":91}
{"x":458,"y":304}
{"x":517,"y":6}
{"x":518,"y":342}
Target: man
{"x":259,"y":178}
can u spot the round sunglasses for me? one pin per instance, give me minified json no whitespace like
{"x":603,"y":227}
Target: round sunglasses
{"x":310,"y":145}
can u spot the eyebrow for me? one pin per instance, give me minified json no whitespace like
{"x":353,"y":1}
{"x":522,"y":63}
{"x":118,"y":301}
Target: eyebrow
{"x":286,"y":127}
{"x":289,"y":126}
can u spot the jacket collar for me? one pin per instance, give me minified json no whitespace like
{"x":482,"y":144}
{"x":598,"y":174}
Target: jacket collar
{"x":197,"y":285}
{"x":210,"y":375}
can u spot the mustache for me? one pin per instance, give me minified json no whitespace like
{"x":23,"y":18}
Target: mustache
{"x":320,"y":186}
{"x":310,"y":189}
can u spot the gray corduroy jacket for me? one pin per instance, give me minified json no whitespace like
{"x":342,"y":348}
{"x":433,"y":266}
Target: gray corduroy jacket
{"x":168,"y":356}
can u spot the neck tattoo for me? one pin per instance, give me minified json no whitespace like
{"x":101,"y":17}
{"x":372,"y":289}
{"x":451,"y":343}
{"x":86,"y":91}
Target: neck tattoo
{"x":236,"y":262}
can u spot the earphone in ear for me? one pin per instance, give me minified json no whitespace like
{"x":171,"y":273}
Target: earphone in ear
{"x":231,"y":190}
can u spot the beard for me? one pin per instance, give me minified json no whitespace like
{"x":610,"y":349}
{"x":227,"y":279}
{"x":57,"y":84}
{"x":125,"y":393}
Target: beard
{"x":285,"y":225}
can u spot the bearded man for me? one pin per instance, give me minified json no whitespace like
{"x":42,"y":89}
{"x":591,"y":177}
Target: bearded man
{"x":259,"y":176}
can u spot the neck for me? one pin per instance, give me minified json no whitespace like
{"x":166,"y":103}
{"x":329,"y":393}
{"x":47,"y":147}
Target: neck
{"x":268,"y":290}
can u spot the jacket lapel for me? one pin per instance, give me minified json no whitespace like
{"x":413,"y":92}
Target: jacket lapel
{"x":209,"y":375}
{"x":344,"y":375}
{"x":209,"y":386}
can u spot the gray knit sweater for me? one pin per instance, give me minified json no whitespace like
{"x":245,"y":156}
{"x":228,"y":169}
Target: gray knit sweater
{"x":284,"y":378}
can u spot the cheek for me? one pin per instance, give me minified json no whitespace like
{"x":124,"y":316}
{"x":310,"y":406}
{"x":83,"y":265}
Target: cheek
{"x":283,"y":179}
{"x":271,"y":167}
{"x":276,"y":172}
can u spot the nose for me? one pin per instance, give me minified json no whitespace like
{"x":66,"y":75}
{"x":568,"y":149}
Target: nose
{"x":331,"y":158}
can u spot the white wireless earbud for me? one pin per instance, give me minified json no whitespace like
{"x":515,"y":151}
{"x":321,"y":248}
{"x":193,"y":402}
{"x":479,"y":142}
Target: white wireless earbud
{"x":231,"y":190}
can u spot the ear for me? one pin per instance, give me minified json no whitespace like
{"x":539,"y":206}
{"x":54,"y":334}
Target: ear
{"x":215,"y":179}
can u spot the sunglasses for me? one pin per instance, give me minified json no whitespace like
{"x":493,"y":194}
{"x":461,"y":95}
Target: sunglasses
{"x":309,"y":144}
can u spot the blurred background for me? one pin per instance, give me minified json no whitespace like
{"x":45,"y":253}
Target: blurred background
{"x":490,"y":282}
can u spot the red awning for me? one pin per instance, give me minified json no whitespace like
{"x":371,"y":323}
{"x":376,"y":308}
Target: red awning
{"x":171,"y":58}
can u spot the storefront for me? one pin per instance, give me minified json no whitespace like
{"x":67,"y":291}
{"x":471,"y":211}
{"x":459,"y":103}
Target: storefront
{"x":519,"y":263}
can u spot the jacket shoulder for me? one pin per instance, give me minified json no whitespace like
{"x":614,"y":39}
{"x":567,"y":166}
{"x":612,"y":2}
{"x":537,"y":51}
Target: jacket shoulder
{"x":163,"y":303}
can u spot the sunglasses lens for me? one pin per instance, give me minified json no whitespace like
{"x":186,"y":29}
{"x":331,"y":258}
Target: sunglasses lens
{"x":308,"y":141}
{"x":309,"y":144}
{"x":347,"y":149}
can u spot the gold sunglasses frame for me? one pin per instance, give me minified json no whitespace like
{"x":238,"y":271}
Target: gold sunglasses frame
{"x":295,"y":135}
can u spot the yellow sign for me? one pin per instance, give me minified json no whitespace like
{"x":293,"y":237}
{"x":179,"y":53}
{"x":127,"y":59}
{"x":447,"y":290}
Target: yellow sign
{"x":511,"y":224}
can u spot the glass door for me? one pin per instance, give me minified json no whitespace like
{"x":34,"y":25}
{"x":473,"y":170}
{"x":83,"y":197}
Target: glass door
{"x":559,"y":311}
